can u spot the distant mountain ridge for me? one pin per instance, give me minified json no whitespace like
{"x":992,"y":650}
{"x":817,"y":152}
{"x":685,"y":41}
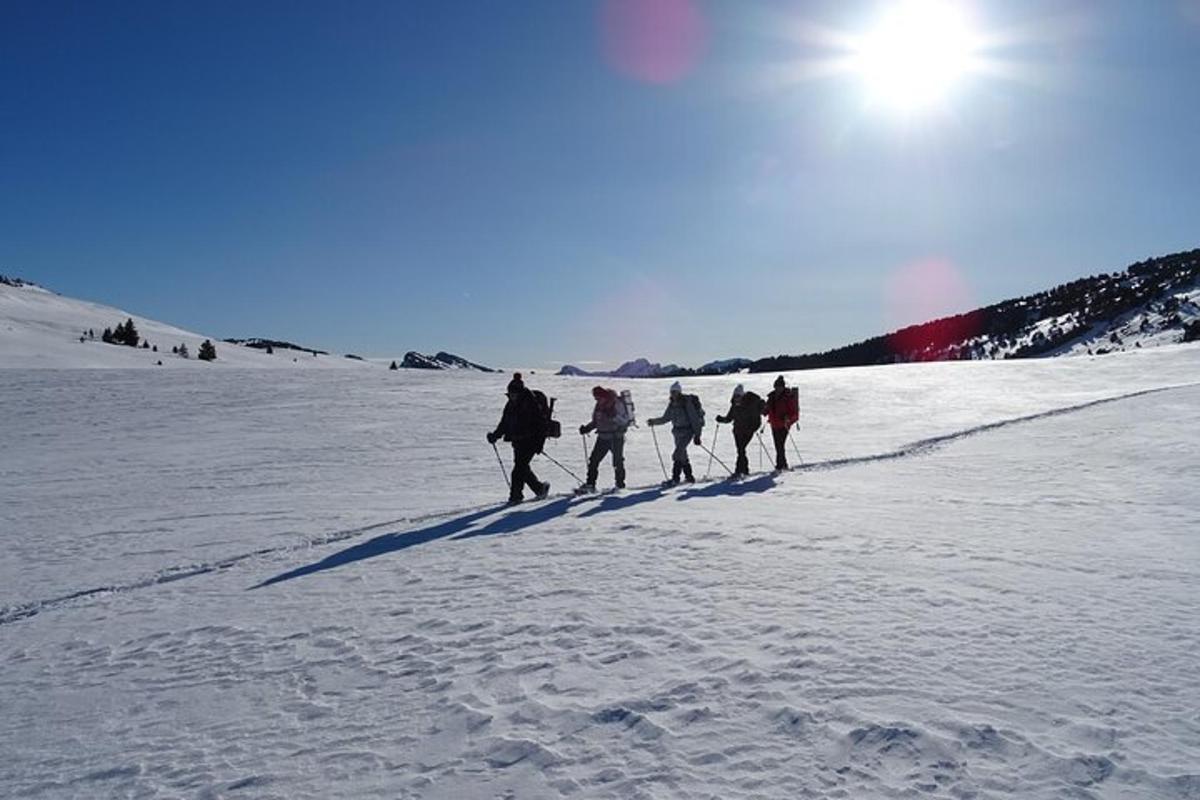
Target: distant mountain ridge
{"x":1153,"y":302}
{"x":275,"y":344}
{"x":643,"y":368}
{"x":441,"y":360}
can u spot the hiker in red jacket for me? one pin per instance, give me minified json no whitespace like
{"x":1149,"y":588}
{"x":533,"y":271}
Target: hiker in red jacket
{"x":782,"y":411}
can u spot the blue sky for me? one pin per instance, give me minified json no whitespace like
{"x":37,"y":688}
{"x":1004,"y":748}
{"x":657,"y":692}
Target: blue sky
{"x":498,"y":180}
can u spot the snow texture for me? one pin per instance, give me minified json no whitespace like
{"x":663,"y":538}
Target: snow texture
{"x":983,"y":581}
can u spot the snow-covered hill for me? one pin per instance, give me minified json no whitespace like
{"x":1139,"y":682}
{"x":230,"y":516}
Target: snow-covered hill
{"x":41,"y":329}
{"x":1149,"y":304}
{"x":983,"y":581}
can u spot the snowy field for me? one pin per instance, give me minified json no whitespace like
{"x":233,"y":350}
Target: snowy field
{"x":983,"y":582}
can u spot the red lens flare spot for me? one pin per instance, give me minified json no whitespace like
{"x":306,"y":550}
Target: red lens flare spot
{"x":926,"y":292}
{"x":655,"y":41}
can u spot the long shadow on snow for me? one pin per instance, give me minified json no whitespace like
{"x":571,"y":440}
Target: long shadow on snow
{"x":756,"y":485}
{"x":619,"y":502}
{"x":458,"y":528}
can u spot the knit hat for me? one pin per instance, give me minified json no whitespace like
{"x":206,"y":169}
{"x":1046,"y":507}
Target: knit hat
{"x":598,"y":392}
{"x":779,"y":382}
{"x":516,"y":384}
{"x":739,"y":390}
{"x":676,"y":388}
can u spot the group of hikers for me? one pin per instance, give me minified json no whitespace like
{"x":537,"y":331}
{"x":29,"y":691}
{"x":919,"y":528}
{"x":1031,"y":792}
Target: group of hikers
{"x":528,"y":421}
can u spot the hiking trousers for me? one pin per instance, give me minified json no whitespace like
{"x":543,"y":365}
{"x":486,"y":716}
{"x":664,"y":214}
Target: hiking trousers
{"x":522,"y":472}
{"x":741,"y":439}
{"x":780,"y":435}
{"x":605,"y":444}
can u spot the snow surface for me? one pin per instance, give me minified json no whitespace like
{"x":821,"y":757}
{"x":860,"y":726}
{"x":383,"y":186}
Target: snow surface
{"x":984,"y":581}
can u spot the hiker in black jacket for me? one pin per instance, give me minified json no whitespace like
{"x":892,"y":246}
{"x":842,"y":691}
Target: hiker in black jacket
{"x":745,"y":412}
{"x":521,"y":424}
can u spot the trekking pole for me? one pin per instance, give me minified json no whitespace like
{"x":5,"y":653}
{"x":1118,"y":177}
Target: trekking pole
{"x":796,"y":447}
{"x":762,"y":448}
{"x":660,"y":461}
{"x":708,"y":469}
{"x":714,"y":455}
{"x":503,"y":471}
{"x":583,"y":439}
{"x":556,"y":463}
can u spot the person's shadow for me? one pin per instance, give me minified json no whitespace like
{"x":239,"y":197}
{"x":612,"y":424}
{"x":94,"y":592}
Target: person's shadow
{"x":457,"y":528}
{"x":755,"y":485}
{"x":618,"y":502}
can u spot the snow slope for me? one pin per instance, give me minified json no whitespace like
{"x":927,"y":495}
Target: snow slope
{"x":983,"y":582}
{"x":41,"y":329}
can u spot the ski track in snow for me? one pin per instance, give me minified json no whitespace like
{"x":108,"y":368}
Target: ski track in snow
{"x":17,"y":612}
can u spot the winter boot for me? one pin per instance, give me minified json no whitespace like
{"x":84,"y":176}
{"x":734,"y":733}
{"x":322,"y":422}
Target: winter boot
{"x":687,"y":473}
{"x":586,"y":488}
{"x":620,"y":475}
{"x":542,"y":492}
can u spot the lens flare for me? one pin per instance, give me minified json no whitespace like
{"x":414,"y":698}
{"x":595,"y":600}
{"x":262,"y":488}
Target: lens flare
{"x":653,"y":41}
{"x":929,"y":290}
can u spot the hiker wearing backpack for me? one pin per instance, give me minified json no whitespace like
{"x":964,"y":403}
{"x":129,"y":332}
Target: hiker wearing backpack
{"x":686,"y":415}
{"x":610,"y":419}
{"x":782,"y":411}
{"x":523,"y":424}
{"x":746,"y":410}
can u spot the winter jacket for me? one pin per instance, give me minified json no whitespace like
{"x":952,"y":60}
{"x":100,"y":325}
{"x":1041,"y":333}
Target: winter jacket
{"x":609,"y":417}
{"x":521,"y":420}
{"x":783,"y":407}
{"x":747,"y":414}
{"x":682,"y":414}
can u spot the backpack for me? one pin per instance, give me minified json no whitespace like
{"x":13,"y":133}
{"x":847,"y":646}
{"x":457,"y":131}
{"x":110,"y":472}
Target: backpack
{"x":550,"y":427}
{"x":696,"y":404}
{"x":626,"y":398}
{"x":622,"y":413}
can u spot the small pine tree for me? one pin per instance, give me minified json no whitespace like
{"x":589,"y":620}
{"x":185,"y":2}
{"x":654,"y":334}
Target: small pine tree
{"x":154,"y":349}
{"x":107,"y":336}
{"x":183,"y":351}
{"x":270,"y":350}
{"x":393,"y":366}
{"x":131,"y":334}
{"x":146,"y":345}
{"x":207,"y":351}
{"x":118,"y":334}
{"x":174,"y":350}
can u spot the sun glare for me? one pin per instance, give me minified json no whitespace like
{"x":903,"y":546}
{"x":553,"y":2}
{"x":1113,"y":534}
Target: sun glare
{"x":916,"y":54}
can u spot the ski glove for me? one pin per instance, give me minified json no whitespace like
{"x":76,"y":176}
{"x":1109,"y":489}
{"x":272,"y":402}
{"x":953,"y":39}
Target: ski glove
{"x":583,"y":430}
{"x":696,"y":440}
{"x":491,"y":437}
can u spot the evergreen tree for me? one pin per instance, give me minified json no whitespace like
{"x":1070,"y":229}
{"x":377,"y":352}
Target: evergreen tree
{"x":393,"y":366}
{"x":183,"y":351}
{"x":107,"y":336}
{"x":131,"y":334}
{"x":207,"y":351}
{"x":270,"y":350}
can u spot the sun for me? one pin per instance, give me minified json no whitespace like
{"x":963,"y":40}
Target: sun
{"x":915,"y":54}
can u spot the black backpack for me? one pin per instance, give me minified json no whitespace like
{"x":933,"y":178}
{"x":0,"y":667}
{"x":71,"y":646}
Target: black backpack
{"x":695,"y":401}
{"x":550,"y":427}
